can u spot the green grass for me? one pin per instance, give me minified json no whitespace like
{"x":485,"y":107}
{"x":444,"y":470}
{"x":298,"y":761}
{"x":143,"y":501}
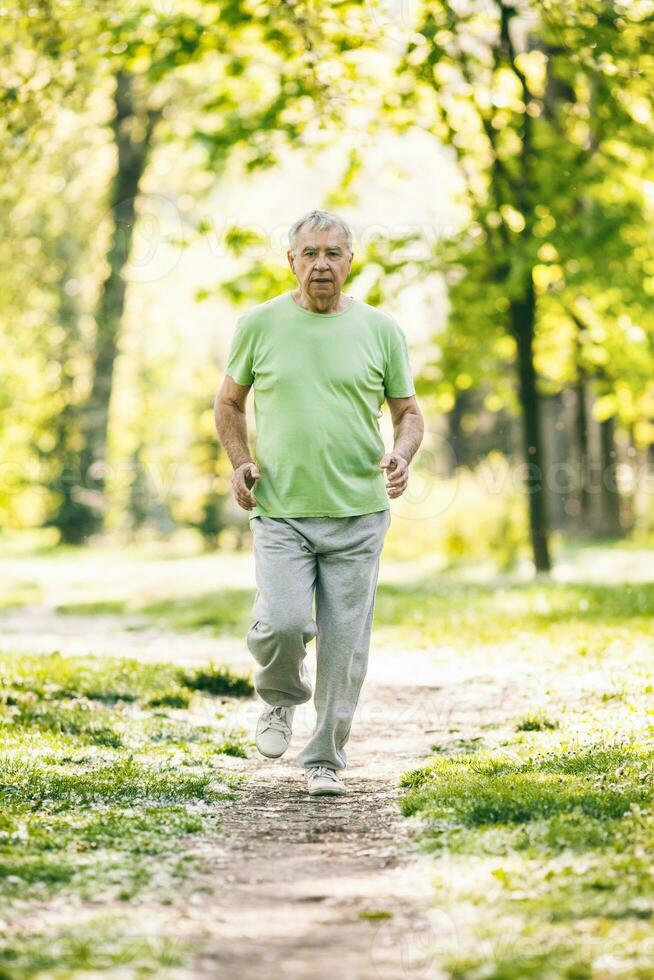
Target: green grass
{"x":444,"y":612}
{"x":599,"y":782}
{"x":544,"y":854}
{"x":219,"y":681}
{"x":104,"y":607}
{"x":31,"y":682}
{"x":538,"y":817}
{"x":535,"y":723}
{"x":101,"y":944}
{"x":20,"y":594}
{"x":173,"y":698}
{"x":105,"y":679}
{"x":110,"y":769}
{"x":226,"y":612}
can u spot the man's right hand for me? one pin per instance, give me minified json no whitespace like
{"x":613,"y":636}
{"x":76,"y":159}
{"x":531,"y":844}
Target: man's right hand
{"x":243,"y":479}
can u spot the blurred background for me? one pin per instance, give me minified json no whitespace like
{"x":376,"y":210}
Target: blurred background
{"x":494,"y":161}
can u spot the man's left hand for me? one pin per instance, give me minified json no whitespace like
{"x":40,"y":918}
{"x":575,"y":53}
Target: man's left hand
{"x":397,"y":476}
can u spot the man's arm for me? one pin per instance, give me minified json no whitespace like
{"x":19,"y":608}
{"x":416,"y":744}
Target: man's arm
{"x":408,"y":432}
{"x":231,"y":425}
{"x":408,"y":426}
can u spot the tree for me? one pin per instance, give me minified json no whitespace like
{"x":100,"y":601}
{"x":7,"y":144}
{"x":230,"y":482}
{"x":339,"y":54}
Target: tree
{"x":496,"y":84}
{"x":249,"y":76}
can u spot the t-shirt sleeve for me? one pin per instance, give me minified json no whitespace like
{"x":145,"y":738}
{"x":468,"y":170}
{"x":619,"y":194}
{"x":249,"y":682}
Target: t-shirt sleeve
{"x":240,"y":360}
{"x":398,"y":381}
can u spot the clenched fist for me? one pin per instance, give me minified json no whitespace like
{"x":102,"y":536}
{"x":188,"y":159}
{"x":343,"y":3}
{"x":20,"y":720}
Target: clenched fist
{"x":243,"y":479}
{"x":397,"y":477}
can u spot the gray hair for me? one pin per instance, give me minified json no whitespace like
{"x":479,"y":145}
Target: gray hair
{"x":318,"y":220}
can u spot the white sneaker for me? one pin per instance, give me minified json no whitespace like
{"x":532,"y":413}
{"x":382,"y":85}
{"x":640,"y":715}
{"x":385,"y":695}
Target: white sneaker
{"x":322,"y":781}
{"x":274,"y":730}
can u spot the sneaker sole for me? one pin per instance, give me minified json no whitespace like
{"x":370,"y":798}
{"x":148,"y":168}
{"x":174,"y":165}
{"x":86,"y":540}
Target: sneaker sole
{"x":327,"y":792}
{"x":267,"y":755}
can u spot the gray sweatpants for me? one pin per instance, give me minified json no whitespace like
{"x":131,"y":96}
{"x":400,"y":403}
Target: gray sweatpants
{"x":338,"y":557}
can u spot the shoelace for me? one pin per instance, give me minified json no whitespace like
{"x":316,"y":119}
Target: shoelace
{"x":323,"y":772}
{"x":277,"y":720}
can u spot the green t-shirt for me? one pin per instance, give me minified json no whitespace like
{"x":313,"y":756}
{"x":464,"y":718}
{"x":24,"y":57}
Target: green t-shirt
{"x":319,"y":382}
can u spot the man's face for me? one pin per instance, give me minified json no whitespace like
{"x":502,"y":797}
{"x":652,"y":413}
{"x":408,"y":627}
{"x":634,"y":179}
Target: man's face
{"x":322,"y":261}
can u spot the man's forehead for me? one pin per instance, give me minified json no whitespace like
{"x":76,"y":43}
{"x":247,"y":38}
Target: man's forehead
{"x":314,"y":238}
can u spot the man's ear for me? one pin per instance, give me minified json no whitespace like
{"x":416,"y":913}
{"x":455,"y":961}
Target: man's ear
{"x":289,"y":256}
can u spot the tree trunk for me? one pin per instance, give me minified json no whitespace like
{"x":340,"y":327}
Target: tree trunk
{"x":650,"y":450}
{"x":133,"y":136}
{"x":556,"y":444}
{"x":456,"y":437}
{"x":62,"y":457}
{"x":523,"y":315}
{"x":583,"y":452}
{"x":610,"y":526}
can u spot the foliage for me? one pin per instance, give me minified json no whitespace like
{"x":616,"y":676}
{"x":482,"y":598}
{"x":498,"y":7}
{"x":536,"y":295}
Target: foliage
{"x":543,"y":109}
{"x":550,"y":136}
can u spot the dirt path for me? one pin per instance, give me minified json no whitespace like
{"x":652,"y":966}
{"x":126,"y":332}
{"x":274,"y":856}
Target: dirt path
{"x":300,"y":872}
{"x":302,"y":887}
{"x":303,"y":875}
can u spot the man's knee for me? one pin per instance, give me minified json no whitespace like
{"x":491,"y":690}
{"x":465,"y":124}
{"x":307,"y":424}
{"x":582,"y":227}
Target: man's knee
{"x":290,"y":626}
{"x":285,"y":626}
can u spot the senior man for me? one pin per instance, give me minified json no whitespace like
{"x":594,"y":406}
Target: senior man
{"x":321,"y":364}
